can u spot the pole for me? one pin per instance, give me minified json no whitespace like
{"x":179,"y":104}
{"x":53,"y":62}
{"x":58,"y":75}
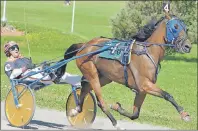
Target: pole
{"x":72,"y":28}
{"x":4,"y":20}
{"x":25,"y":22}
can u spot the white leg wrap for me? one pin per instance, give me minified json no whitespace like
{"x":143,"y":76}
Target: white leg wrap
{"x":117,"y":126}
{"x":73,"y":112}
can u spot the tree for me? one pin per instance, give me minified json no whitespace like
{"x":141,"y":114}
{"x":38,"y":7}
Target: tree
{"x":136,"y":14}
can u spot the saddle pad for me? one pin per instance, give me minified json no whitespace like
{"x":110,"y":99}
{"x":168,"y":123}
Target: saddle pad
{"x":120,"y":51}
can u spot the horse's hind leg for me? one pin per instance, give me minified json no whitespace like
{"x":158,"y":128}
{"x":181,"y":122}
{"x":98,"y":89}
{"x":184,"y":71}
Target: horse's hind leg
{"x":90,"y":73}
{"x":152,"y":89}
{"x":86,"y":89}
{"x":139,"y":99}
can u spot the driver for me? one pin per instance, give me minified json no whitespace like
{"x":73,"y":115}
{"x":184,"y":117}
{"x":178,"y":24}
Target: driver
{"x":17,"y":66}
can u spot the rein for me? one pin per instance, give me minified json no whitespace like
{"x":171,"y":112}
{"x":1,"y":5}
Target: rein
{"x":148,"y":44}
{"x":80,"y":49}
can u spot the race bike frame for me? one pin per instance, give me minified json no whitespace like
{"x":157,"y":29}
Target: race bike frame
{"x":47,"y":71}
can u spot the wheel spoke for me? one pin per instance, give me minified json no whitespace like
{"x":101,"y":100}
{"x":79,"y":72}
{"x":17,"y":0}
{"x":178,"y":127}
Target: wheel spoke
{"x":75,"y":119}
{"x":91,"y":110}
{"x":22,"y":93}
{"x":12,"y":116}
{"x":86,"y":98}
{"x":22,"y":118}
{"x":85,"y":121}
{"x":88,"y":113}
{"x":29,"y":109}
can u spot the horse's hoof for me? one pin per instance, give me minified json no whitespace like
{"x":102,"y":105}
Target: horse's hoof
{"x":118,"y":104}
{"x":185,"y":116}
{"x":115,"y":106}
{"x":186,"y":119}
{"x":117,"y":126}
{"x":73,"y":112}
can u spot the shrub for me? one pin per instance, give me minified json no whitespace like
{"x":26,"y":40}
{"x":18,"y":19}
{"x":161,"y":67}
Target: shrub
{"x":136,"y":14}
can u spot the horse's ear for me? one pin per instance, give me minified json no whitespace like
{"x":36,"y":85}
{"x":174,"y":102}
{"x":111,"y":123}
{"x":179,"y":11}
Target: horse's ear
{"x":167,"y":15}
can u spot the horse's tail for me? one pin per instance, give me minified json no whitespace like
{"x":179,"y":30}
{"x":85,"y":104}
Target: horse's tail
{"x":69,"y":53}
{"x":72,"y":50}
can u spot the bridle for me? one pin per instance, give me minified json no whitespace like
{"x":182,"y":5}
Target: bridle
{"x":172,"y":40}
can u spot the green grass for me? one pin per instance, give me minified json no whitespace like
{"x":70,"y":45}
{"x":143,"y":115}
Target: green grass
{"x":91,"y":18}
{"x":48,"y":24}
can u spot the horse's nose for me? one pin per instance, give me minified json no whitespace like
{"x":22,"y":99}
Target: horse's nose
{"x":187,"y":47}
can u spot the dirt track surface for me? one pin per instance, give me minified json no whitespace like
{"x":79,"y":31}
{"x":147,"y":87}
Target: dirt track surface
{"x":56,"y":120}
{"x":10,"y":31}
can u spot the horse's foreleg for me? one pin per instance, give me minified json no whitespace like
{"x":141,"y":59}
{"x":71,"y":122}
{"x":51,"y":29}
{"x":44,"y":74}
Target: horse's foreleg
{"x":139,"y":99}
{"x":152,"y":89}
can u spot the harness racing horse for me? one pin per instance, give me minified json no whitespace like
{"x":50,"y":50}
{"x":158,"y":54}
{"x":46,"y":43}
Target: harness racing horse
{"x":141,"y":71}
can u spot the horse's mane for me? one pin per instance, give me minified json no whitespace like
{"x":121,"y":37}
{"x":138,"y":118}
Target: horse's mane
{"x":146,"y":31}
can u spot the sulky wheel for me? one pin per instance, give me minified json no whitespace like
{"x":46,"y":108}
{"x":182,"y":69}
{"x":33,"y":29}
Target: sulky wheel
{"x":21,"y":116}
{"x":88,"y":114}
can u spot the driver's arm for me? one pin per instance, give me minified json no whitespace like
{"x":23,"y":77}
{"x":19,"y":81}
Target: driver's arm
{"x":16,"y":72}
{"x":12,"y":72}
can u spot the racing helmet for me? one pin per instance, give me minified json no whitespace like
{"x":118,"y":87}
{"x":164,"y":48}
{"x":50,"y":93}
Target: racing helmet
{"x":8,"y":45}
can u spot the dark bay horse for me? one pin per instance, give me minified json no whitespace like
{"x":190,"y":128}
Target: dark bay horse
{"x":142,"y":69}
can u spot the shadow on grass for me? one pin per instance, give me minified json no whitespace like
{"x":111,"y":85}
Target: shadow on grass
{"x":177,"y":58}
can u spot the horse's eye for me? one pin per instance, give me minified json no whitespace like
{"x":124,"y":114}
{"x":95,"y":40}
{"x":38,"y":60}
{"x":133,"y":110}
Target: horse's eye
{"x":176,"y":26}
{"x":186,"y":31}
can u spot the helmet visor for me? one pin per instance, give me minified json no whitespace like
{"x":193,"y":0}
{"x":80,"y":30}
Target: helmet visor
{"x":12,"y":48}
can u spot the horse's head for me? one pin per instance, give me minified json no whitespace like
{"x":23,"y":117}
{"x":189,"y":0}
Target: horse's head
{"x":176,"y":34}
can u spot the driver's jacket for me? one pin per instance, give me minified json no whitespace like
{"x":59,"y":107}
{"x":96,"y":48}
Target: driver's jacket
{"x":17,"y":64}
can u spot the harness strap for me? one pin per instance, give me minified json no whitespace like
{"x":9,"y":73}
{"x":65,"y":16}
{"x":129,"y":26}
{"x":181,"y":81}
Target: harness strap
{"x":145,"y":51}
{"x":126,"y":75}
{"x":125,"y":62}
{"x":151,"y":58}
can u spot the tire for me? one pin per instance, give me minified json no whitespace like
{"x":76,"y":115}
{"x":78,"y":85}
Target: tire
{"x":88,"y":114}
{"x":20,"y":117}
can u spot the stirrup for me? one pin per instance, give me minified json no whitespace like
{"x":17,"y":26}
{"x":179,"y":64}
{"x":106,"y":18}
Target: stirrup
{"x":57,"y":80}
{"x":53,"y":76}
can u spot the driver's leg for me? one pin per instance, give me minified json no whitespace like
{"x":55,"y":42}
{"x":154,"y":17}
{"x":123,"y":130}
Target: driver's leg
{"x":45,"y":80}
{"x":71,"y":79}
